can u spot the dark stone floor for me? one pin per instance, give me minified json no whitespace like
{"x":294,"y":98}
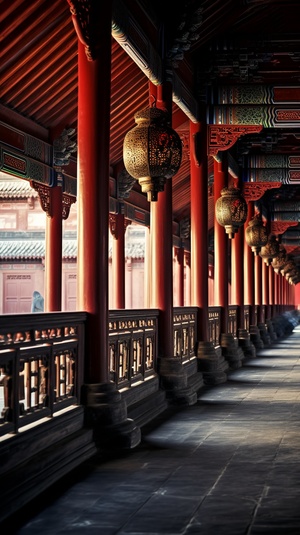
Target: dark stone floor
{"x":229,"y":465}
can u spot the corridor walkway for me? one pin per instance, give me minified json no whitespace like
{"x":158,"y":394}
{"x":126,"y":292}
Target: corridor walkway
{"x":229,"y":465}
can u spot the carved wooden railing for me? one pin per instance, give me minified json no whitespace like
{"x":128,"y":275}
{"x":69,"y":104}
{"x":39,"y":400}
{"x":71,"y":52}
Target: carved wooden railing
{"x":132,"y":345}
{"x":214,"y":325}
{"x":41,"y":366}
{"x":42,"y":356}
{"x":232,"y":320}
{"x":185,"y":332}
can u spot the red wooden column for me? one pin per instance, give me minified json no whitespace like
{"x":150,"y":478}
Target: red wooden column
{"x":162,"y":245}
{"x":258,"y":286}
{"x":210,"y":362}
{"x":279,"y":287}
{"x":117,"y":228}
{"x":249,"y":270}
{"x":147,"y":270}
{"x":93,"y":181}
{"x":172,"y":373}
{"x":179,"y":255}
{"x":266,"y":273}
{"x":237,"y":274}
{"x":271,"y":292}
{"x":276,"y":292}
{"x":221,"y":246}
{"x":100,"y":395}
{"x":282,"y":292}
{"x":53,"y":256}
{"x":187,"y":261}
{"x":199,"y":226}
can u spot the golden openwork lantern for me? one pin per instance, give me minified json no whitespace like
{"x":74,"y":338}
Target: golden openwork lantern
{"x":291,"y":274}
{"x":295,"y":278}
{"x":152,"y":151}
{"x":231,"y":210}
{"x":256,"y":234}
{"x":270,"y":250}
{"x":288,"y":266}
{"x":279,"y":260}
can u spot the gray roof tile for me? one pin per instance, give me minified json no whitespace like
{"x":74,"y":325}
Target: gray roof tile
{"x":33,"y":249}
{"x":16,"y":189}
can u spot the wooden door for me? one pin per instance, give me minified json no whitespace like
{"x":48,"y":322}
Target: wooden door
{"x":17,"y":292}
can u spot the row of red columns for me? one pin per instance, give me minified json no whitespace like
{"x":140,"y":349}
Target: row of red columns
{"x":93,"y":213}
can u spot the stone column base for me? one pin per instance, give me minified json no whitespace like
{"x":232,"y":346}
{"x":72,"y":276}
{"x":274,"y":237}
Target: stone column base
{"x":255,"y":337}
{"x":245,"y":343}
{"x":174,"y":381}
{"x":271,"y":331}
{"x":106,"y":414}
{"x":264,"y":334}
{"x":211,"y":363}
{"x":231,"y":350}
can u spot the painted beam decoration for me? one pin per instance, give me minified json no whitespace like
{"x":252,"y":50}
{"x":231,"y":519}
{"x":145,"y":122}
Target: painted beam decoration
{"x":266,"y":116}
{"x":265,"y":105}
{"x":272,"y":168}
{"x":25,"y":156}
{"x":258,"y":94}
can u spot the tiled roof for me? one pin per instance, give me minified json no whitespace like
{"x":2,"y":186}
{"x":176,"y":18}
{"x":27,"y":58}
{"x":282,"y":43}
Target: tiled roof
{"x":135,"y":250}
{"x":33,"y":249}
{"x":16,"y":189}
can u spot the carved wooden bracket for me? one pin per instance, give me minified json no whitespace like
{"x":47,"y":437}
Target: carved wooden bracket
{"x":224,"y":136}
{"x":179,"y":254}
{"x":67,"y":201}
{"x":45,"y":193}
{"x":44,"y":196}
{"x":252,"y":191}
{"x":84,"y":17}
{"x":114,"y":224}
{"x":279,"y":227}
{"x":185,"y":140}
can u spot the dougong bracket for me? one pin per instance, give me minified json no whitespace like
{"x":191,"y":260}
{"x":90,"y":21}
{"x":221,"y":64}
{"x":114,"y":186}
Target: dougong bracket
{"x":85,"y":17}
{"x":223,"y":136}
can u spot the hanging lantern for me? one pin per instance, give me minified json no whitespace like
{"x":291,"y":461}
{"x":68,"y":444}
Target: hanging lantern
{"x":231,"y":210}
{"x":279,"y":260}
{"x":152,"y":151}
{"x":256,"y":234}
{"x":291,"y":274}
{"x":270,"y":250}
{"x":295,"y":279}
{"x":289,"y":270}
{"x":288,"y":266}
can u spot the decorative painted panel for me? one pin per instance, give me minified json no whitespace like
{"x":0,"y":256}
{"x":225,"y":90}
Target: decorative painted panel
{"x":268,"y":116}
{"x":258,"y":94}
